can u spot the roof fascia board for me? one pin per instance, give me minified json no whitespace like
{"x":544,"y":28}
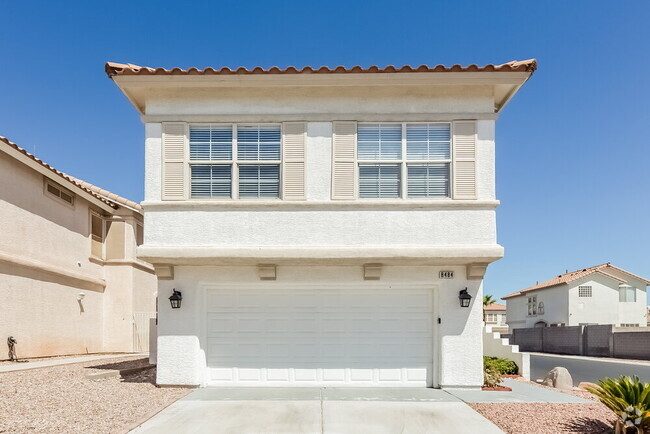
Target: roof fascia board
{"x":317,"y":117}
{"x":56,"y":178}
{"x":360,"y":79}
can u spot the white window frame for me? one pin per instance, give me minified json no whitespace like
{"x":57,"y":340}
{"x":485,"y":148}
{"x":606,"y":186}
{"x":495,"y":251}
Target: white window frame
{"x":234,"y":162}
{"x":404,"y":162}
{"x":585,"y":291}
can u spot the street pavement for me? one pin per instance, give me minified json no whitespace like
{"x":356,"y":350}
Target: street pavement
{"x":589,"y":369}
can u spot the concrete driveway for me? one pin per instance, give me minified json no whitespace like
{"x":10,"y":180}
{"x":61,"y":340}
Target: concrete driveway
{"x":318,"y":410}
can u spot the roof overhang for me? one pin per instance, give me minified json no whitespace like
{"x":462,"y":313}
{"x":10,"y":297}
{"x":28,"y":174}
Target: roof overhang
{"x":138,"y":82}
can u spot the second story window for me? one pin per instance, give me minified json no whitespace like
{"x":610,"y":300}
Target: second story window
{"x":404,"y":160}
{"x":532,"y":305}
{"x":235,"y":161}
{"x":584,"y":291}
{"x":626,"y":293}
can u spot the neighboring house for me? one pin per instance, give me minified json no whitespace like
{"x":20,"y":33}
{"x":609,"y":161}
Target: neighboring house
{"x":69,"y":279}
{"x":320,"y":224}
{"x":495,"y":314}
{"x":603,"y":294}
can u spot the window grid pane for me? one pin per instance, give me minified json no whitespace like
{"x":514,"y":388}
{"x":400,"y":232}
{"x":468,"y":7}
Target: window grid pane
{"x":257,"y":181}
{"x":428,"y":180}
{"x":211,"y":180}
{"x":258,"y":142}
{"x":584,"y":291}
{"x":211,"y":142}
{"x":379,"y":180}
{"x":428,"y":142}
{"x":379,"y":142}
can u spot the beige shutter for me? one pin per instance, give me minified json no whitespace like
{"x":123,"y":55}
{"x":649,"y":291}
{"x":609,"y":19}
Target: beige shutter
{"x":464,"y":182}
{"x":344,"y":152}
{"x":174,"y":166}
{"x":293,"y":160}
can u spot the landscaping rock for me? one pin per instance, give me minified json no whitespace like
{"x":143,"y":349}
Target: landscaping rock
{"x":558,"y":378}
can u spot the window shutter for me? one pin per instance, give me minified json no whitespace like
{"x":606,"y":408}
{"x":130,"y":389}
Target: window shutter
{"x":173,"y":173}
{"x":344,"y":160}
{"x":293,"y":161}
{"x":464,"y":184}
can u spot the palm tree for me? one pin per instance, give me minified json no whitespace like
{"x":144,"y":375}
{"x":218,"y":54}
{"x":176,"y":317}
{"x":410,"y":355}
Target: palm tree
{"x":488,"y":300}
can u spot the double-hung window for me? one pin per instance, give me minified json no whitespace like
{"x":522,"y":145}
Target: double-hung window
{"x":235,"y":161}
{"x":404,"y":160}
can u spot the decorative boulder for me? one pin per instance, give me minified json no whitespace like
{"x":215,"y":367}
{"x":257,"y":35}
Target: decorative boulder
{"x":559,"y":378}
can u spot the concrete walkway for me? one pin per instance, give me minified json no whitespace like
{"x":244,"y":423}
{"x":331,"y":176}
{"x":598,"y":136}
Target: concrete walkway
{"x":318,"y":410}
{"x":521,"y":392}
{"x":35,"y":364}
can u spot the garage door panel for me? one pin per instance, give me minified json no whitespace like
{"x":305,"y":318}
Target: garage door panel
{"x":365,"y":337}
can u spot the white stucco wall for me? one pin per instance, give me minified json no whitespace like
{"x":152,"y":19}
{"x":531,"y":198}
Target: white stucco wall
{"x":457,"y":350}
{"x":495,"y":346}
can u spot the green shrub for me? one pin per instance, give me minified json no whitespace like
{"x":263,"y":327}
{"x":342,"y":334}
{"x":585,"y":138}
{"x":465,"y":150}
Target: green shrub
{"x":502,"y":366}
{"x":628,"y":397}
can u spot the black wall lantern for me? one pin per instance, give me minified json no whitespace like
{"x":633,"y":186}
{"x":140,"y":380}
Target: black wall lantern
{"x":176,"y":299}
{"x":464,"y":298}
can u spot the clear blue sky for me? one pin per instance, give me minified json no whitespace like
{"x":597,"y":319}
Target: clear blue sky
{"x":572,"y":147}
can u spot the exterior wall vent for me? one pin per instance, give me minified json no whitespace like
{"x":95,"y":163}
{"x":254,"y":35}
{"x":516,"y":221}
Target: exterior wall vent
{"x":446,"y":274}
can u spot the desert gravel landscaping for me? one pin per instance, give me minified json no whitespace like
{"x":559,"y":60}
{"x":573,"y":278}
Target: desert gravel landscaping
{"x":61,"y":399}
{"x":546,"y":418}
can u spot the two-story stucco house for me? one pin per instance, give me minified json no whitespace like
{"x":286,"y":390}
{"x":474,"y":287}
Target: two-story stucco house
{"x":70,"y":282}
{"x":603,"y":294}
{"x":322,"y":225}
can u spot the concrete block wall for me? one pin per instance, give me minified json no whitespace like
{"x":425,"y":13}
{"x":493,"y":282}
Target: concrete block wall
{"x":528,"y":339}
{"x":598,"y":340}
{"x":562,"y":340}
{"x":631,"y":345}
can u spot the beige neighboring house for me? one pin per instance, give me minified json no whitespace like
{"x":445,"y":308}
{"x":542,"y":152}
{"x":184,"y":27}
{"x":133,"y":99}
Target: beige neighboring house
{"x":69,"y":279}
{"x":495,"y":314}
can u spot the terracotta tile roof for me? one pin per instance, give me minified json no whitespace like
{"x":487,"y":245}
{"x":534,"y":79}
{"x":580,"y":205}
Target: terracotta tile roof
{"x":495,"y":307}
{"x":105,"y":196}
{"x":113,"y":69}
{"x":578,"y":274}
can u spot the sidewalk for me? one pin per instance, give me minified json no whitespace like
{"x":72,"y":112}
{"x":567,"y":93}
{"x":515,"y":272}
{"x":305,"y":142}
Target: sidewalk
{"x":35,"y":364}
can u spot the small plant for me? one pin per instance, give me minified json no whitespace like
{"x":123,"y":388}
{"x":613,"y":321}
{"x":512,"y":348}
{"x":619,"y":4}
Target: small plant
{"x":629,"y":398}
{"x":502,"y":366}
{"x":491,"y":377}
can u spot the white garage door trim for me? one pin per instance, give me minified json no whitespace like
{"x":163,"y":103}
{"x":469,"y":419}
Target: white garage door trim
{"x":256,"y":375}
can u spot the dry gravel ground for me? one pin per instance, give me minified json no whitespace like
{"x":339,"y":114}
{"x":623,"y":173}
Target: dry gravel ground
{"x":61,"y":400}
{"x":544,"y":418}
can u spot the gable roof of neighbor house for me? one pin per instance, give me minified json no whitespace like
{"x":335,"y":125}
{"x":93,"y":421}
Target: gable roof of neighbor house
{"x":114,"y":68}
{"x":495,"y":307}
{"x":105,"y":196}
{"x":578,"y":274}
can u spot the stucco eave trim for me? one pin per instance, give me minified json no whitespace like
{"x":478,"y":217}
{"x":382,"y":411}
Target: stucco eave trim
{"x":272,"y":205}
{"x":335,"y":255}
{"x":38,"y":269}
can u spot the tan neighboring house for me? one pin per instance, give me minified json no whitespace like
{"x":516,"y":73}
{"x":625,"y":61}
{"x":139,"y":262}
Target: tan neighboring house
{"x":69,"y":279}
{"x":495,"y":314}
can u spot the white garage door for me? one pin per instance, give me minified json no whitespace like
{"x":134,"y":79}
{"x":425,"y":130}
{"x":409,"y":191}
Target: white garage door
{"x":320,"y":337}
